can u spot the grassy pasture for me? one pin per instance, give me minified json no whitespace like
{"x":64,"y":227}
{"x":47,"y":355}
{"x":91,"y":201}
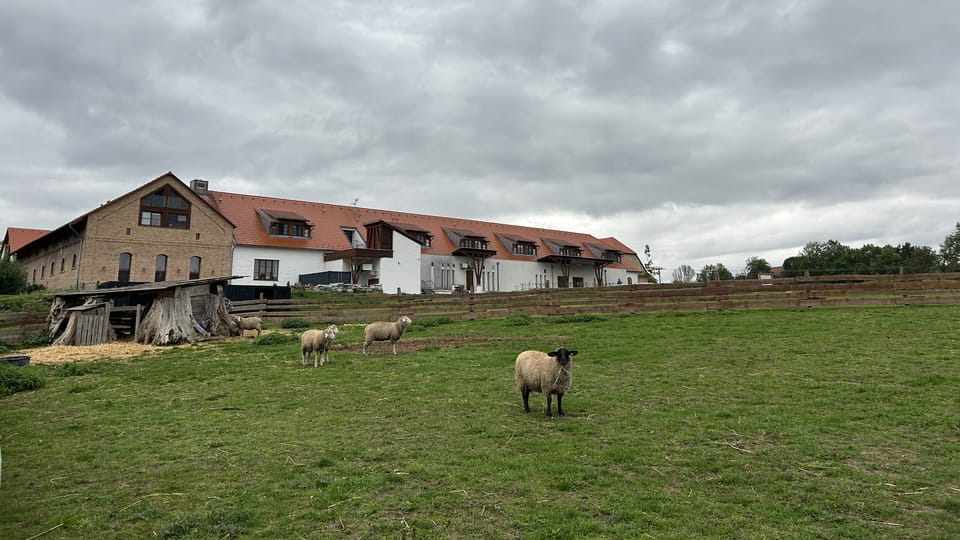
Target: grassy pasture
{"x":752,"y":424}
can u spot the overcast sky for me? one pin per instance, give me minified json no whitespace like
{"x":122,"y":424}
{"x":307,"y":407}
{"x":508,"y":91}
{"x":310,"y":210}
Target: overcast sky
{"x":711,"y":131}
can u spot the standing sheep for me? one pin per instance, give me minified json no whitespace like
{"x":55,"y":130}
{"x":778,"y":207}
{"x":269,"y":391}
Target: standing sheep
{"x":383,"y":331}
{"x":549,"y":373}
{"x":249,"y":323}
{"x":317,"y":342}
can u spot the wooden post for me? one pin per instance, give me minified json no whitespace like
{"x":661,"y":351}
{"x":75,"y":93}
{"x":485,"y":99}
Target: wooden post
{"x":136,"y":323}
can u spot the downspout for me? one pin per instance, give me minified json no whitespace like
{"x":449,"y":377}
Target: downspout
{"x":79,"y":253}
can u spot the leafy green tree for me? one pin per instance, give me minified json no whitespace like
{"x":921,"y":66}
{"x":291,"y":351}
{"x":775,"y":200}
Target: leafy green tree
{"x":13,"y":280}
{"x":712,"y":272}
{"x":684,"y":274}
{"x":918,"y":259}
{"x":756,"y":266}
{"x":950,"y":251}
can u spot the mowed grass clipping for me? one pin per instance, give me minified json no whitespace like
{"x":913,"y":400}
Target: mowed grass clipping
{"x":795,"y":423}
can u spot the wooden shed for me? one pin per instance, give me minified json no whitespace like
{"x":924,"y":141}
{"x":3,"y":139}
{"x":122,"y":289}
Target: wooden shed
{"x":162,"y":313}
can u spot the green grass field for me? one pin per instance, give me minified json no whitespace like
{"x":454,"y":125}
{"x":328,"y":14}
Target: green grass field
{"x":822,"y":423}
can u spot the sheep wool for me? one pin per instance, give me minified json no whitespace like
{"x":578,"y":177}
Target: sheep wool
{"x":249,"y":323}
{"x":384,"y":331}
{"x":318,"y":343}
{"x":549,"y":373}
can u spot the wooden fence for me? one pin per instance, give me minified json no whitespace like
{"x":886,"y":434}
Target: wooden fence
{"x":17,"y":327}
{"x":805,"y":292}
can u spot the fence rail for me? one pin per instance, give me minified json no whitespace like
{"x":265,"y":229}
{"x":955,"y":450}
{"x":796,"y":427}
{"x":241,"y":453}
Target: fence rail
{"x":805,"y":292}
{"x":800,"y":292}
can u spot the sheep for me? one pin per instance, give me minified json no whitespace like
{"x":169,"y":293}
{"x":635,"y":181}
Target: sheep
{"x":536,"y":371}
{"x":382,"y":331}
{"x":317,"y":342}
{"x":249,"y":323}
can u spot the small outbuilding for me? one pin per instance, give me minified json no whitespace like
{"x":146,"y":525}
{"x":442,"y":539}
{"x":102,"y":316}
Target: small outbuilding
{"x":161,"y":313}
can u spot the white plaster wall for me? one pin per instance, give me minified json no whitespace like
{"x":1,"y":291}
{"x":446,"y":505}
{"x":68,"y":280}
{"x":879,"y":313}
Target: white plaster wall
{"x":402,"y":271}
{"x":293,"y":262}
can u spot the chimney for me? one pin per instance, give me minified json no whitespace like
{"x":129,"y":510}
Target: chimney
{"x":199,"y":187}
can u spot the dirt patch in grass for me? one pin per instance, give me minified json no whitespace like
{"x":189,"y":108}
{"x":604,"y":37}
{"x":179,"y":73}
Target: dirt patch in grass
{"x":59,"y":354}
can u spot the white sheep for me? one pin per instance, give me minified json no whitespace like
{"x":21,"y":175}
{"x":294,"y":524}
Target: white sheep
{"x":549,"y":373}
{"x":317,"y":342}
{"x":249,"y":323}
{"x":383,"y":331}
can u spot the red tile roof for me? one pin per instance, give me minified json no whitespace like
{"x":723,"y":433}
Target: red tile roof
{"x":329,"y":219}
{"x":18,"y":237}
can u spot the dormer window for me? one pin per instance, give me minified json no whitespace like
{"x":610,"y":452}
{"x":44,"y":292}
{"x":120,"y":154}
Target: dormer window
{"x":290,"y":228}
{"x":423,"y":239}
{"x":165,"y":208}
{"x":285,"y":224}
{"x":570,"y":251}
{"x":610,"y":255}
{"x":525,"y":248}
{"x":473,"y":243}
{"x":354,"y":237}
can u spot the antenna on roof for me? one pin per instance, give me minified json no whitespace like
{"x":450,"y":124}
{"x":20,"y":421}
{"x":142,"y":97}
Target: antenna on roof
{"x":356,"y":209}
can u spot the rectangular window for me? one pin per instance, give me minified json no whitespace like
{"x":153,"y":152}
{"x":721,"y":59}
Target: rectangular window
{"x":524,"y":248}
{"x":177,"y":221}
{"x":177,"y":202}
{"x":157,"y":200}
{"x":266,"y":269}
{"x":294,"y":229}
{"x":150,"y":218}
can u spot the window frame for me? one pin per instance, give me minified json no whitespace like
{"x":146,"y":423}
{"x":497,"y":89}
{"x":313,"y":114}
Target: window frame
{"x":266,"y":269}
{"x":121,"y":270}
{"x":165,"y":208}
{"x":195,"y":274}
{"x":160,"y":271}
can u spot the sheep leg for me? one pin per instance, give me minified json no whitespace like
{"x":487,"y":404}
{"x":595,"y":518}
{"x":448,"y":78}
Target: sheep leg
{"x":525,"y":392}
{"x":549,"y":401}
{"x":559,"y":408}
{"x":394,"y":347}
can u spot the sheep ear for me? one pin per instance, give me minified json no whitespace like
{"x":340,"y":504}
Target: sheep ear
{"x":573,"y":353}
{"x":552,"y":353}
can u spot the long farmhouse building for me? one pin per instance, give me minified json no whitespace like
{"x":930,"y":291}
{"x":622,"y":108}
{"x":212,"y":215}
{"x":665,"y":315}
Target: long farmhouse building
{"x":167,"y":230}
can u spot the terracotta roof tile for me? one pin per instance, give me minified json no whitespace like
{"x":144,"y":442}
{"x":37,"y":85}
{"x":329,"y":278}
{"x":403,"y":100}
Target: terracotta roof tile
{"x":329,"y":220}
{"x":18,"y":237}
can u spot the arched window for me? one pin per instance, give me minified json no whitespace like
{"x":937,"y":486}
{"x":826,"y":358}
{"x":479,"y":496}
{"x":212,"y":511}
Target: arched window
{"x":161,"y":274}
{"x":123,"y":274}
{"x":194,"y":267}
{"x":74,"y":265}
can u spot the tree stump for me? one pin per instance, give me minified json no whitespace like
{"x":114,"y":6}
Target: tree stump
{"x":170,"y":320}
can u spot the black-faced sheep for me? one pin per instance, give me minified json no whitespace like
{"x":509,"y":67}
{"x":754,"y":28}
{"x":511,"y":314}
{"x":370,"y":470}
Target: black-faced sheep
{"x":549,"y":373}
{"x":383,"y":331}
{"x":317,"y":342}
{"x":249,"y":323}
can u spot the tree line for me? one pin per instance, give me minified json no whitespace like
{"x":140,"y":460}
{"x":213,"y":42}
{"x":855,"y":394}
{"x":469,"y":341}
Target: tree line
{"x":833,"y":258}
